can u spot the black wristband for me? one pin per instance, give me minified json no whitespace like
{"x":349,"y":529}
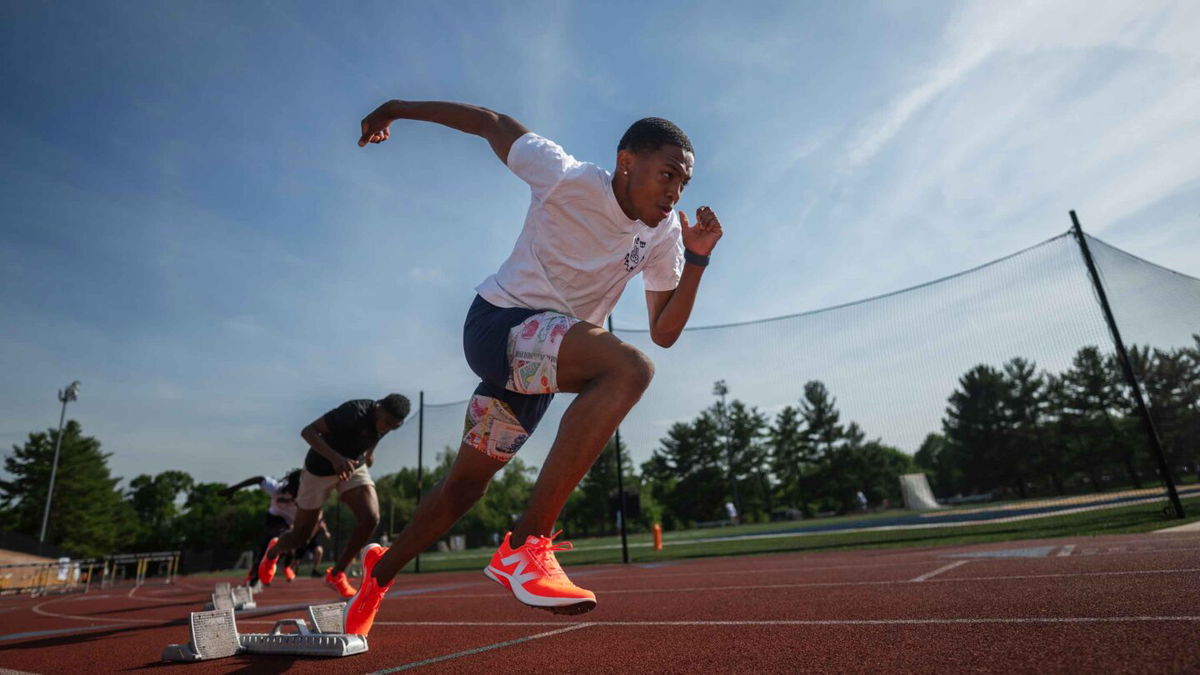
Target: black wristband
{"x":695,"y":258}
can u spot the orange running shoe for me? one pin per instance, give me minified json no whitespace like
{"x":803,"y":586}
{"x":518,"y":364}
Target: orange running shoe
{"x":339,"y":583}
{"x":290,"y":574}
{"x":534,"y":576}
{"x":359,"y":613}
{"x":266,"y":566}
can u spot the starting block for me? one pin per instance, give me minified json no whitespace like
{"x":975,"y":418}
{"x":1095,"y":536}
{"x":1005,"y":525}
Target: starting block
{"x":215,"y":636}
{"x":226,"y":597}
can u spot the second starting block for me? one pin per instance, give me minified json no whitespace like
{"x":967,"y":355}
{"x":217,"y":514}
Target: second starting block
{"x":231,"y":597}
{"x":214,"y":635}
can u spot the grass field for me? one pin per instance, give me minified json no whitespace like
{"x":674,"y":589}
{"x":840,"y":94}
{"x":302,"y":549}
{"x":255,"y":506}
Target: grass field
{"x":774,"y":538}
{"x":700,"y":542}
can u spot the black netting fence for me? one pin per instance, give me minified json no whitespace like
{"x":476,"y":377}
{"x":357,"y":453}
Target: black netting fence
{"x":991,"y":399}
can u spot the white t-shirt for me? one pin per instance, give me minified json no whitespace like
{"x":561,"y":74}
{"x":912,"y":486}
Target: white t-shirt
{"x":282,"y":503}
{"x":578,"y":249}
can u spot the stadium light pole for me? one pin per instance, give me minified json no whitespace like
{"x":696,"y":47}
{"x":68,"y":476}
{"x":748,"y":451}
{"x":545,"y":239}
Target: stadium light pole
{"x":420,"y":463}
{"x":1135,"y":387}
{"x":720,"y":389}
{"x":71,"y":393}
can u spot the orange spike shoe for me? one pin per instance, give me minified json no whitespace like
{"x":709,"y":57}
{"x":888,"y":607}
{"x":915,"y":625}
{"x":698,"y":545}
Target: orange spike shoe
{"x":534,"y":577}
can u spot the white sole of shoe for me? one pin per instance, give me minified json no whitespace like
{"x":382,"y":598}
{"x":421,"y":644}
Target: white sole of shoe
{"x":556,"y":605}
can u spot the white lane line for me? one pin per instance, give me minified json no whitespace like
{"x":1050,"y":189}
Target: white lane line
{"x":46,"y":633}
{"x":622,"y":575}
{"x":141,"y":598}
{"x":831,"y":584}
{"x":37,"y":609}
{"x":943,"y":568}
{"x":815,"y":568}
{"x":1066,"y":550}
{"x":479,"y":650}
{"x":771,"y":622}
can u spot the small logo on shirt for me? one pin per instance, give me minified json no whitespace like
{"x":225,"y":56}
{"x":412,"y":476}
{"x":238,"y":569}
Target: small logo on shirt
{"x":635,"y":255}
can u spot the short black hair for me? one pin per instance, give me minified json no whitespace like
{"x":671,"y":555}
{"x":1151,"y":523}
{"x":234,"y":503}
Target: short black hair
{"x":396,"y":405}
{"x":651,"y":133}
{"x":291,"y":482}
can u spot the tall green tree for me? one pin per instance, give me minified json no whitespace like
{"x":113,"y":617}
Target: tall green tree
{"x":822,"y":427}
{"x":225,"y":525}
{"x":1054,"y":458}
{"x":937,"y":459}
{"x":687,"y":472}
{"x":1171,"y":380}
{"x":154,"y":501}
{"x":977,"y":430}
{"x":746,"y":433}
{"x":793,"y":459}
{"x":88,"y":515}
{"x":876,"y":469}
{"x":1088,"y":402}
{"x":1023,"y":407}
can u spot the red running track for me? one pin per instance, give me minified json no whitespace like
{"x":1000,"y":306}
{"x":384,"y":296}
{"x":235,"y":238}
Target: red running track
{"x":1099,"y":604}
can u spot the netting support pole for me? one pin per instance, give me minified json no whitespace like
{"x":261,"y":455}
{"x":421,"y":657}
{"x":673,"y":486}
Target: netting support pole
{"x":620,"y":479}
{"x":420,"y":465}
{"x":1127,"y":369}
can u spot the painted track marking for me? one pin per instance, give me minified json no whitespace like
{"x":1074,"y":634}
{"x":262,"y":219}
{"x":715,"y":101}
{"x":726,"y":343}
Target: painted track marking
{"x":943,"y":568}
{"x":56,"y":631}
{"x":479,"y":650}
{"x":1066,"y":550}
{"x":828,"y":584}
{"x":790,"y":622}
{"x":37,"y":609}
{"x":897,"y":563}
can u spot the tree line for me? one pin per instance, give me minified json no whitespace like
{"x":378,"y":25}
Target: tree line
{"x":1012,"y":431}
{"x":1019,"y":431}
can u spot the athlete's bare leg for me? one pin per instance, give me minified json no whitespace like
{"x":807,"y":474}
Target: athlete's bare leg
{"x":365,"y":505}
{"x":609,"y":377}
{"x":439,"y":510}
{"x":302,"y":530}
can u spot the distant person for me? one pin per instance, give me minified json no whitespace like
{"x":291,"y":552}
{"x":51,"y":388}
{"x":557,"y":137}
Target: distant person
{"x":341,"y":448}
{"x":862,"y":500}
{"x":280,"y":514}
{"x":536,"y":328}
{"x":731,"y":511}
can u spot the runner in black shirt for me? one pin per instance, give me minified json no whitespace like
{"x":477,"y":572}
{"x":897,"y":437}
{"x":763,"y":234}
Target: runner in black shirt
{"x":341,"y":447}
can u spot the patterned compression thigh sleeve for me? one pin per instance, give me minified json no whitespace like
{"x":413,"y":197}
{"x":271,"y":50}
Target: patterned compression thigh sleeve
{"x":492,"y":428}
{"x":533,"y":352}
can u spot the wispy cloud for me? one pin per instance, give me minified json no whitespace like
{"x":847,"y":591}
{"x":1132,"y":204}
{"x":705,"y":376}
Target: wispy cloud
{"x":210,"y":251}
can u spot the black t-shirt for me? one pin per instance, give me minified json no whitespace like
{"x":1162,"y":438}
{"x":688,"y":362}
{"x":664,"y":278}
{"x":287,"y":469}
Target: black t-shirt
{"x":351,"y":434}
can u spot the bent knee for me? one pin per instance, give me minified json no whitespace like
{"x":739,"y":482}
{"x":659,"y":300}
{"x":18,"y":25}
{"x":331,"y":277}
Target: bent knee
{"x":636,"y":369}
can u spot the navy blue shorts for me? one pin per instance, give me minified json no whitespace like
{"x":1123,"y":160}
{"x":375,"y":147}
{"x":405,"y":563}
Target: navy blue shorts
{"x":514,"y":351}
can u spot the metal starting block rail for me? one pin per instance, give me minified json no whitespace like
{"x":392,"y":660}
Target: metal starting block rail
{"x":225,"y":597}
{"x":214,"y":635}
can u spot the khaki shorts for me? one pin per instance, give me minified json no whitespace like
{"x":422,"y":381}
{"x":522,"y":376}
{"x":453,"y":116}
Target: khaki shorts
{"x":314,"y":489}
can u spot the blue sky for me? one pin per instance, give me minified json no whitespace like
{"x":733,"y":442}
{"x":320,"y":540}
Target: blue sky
{"x":190,"y":230}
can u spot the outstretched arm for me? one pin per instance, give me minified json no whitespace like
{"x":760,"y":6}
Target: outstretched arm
{"x":669,"y":310}
{"x":499,"y":130}
{"x":253,"y":480}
